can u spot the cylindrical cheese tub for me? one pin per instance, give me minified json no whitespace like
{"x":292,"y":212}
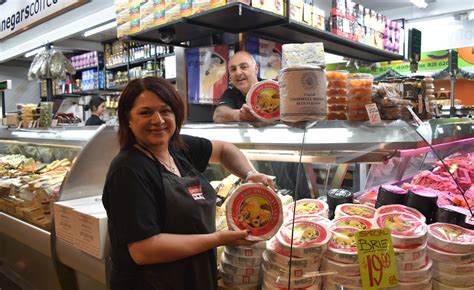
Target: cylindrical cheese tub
{"x":243,"y":261}
{"x":277,"y":279}
{"x":276,"y":255}
{"x":453,"y":268}
{"x":416,"y":275}
{"x":302,"y":94}
{"x":356,"y":222}
{"x":231,"y":269}
{"x":459,"y":280}
{"x":440,"y":255}
{"x":451,"y":238}
{"x":245,"y":251}
{"x":309,"y":238}
{"x":401,"y":209}
{"x":328,"y":265}
{"x":349,"y":209}
{"x":410,"y":254}
{"x":305,"y":207}
{"x":412,"y":265}
{"x":437,"y":285}
{"x":406,"y":229}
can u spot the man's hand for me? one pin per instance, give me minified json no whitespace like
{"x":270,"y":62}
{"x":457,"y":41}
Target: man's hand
{"x":245,"y":115}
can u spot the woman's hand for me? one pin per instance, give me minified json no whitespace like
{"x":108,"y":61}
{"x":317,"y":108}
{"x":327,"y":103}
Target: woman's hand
{"x":258,"y":177}
{"x":233,"y":238}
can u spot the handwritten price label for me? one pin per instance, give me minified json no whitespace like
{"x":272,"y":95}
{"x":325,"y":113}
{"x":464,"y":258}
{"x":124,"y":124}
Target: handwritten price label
{"x":378,"y":267}
{"x":373,"y":112}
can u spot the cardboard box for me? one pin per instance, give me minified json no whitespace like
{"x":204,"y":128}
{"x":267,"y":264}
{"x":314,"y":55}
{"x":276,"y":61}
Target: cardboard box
{"x":90,"y":229}
{"x":318,"y":18}
{"x":201,"y":5}
{"x":275,"y":6}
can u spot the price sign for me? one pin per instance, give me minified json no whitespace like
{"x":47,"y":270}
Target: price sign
{"x":378,"y":267}
{"x":373,"y":112}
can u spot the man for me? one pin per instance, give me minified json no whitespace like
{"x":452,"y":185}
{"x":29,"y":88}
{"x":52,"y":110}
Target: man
{"x":232,"y":108}
{"x":243,"y":74}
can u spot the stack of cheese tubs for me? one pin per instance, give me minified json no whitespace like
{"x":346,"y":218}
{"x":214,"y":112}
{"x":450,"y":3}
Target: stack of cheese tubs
{"x":340,"y":261}
{"x":241,"y":266}
{"x":409,"y":234}
{"x":336,"y":94}
{"x":310,"y":236}
{"x":360,"y":94}
{"x":451,"y":248}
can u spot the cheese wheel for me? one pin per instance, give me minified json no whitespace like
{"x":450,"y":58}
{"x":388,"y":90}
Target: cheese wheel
{"x":440,"y":255}
{"x":274,"y":254}
{"x":355,"y":210}
{"x":406,"y":229}
{"x":255,"y":208}
{"x":240,"y":280}
{"x":423,"y":285}
{"x":419,"y":275}
{"x":453,"y":268}
{"x":328,"y":265}
{"x":329,"y":283}
{"x":306,"y":207}
{"x":412,"y":265}
{"x":281,"y":280}
{"x":243,"y":261}
{"x":245,"y":251}
{"x":344,"y":281}
{"x":309,"y":238}
{"x":342,"y":246}
{"x":355,"y":222}
{"x":264,"y":100}
{"x":454,"y":280}
{"x":390,"y":194}
{"x":270,"y":286}
{"x":410,"y":254}
{"x":400,"y":209}
{"x":231,"y":269}
{"x":312,"y":218}
{"x":437,"y":285}
{"x":451,"y":238}
{"x":283,"y":271}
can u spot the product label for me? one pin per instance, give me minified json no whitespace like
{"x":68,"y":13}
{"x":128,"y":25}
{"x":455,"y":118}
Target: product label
{"x":373,"y":112}
{"x":377,"y":262}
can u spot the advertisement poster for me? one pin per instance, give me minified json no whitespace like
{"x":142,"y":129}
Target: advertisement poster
{"x":267,"y":54}
{"x":207,"y":73}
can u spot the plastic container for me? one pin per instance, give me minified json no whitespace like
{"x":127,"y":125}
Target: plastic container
{"x":256,"y":208}
{"x":264,"y":100}
{"x":400,"y":209}
{"x":451,"y":238}
{"x":453,"y":280}
{"x":440,"y":255}
{"x":306,"y":207}
{"x":245,"y":251}
{"x":410,"y":254}
{"x":309,"y":238}
{"x":355,"y":210}
{"x":355,"y":222}
{"x":231,"y":269}
{"x":278,"y":280}
{"x":453,"y":268}
{"x":328,"y":265}
{"x":242,"y":261}
{"x":419,"y":275}
{"x":274,"y":254}
{"x":406,"y":229}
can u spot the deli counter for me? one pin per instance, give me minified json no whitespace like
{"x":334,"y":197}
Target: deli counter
{"x":69,"y":163}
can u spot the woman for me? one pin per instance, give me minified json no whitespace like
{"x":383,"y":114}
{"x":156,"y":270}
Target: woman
{"x":161,"y":210}
{"x":97,"y":107}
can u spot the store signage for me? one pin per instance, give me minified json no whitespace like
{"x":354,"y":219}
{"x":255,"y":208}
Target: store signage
{"x":378,"y":267}
{"x":5,"y":85}
{"x":373,"y":112}
{"x":20,"y":15}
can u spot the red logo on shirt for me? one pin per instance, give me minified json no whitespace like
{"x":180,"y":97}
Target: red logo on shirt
{"x":196,"y":192}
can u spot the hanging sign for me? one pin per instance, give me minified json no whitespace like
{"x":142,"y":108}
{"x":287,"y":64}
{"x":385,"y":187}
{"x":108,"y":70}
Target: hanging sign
{"x":378,"y":267}
{"x":20,"y":15}
{"x":5,"y":85}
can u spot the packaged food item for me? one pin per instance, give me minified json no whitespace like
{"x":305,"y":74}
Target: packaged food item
{"x":256,"y":208}
{"x":312,"y":218}
{"x":419,"y":275}
{"x":274,"y":254}
{"x":410,"y":254}
{"x":454,"y":280}
{"x":359,"y":115}
{"x":355,"y":210}
{"x":342,"y":282}
{"x":451,"y":214}
{"x":303,"y":55}
{"x":264,"y":100}
{"x":342,"y":246}
{"x":453,"y":268}
{"x":309,"y":238}
{"x":406,"y":229}
{"x":245,"y":251}
{"x":439,"y":255}
{"x":437,"y":285}
{"x":241,"y":280}
{"x":338,"y":196}
{"x":424,"y":201}
{"x":277,"y":270}
{"x":390,"y":194}
{"x":336,"y":115}
{"x":338,"y":76}
{"x":423,"y":285}
{"x":306,"y":207}
{"x":231,"y":269}
{"x":451,"y":238}
{"x":401,"y":209}
{"x":355,"y":222}
{"x":328,"y":265}
{"x":240,"y":261}
{"x":278,"y":280}
{"x":412,"y":265}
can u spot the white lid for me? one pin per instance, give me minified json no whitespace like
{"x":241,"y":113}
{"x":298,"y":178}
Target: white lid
{"x":391,"y":208}
{"x":307,"y":234}
{"x":451,"y":237}
{"x":355,"y":222}
{"x":351,"y":209}
{"x":306,"y":207}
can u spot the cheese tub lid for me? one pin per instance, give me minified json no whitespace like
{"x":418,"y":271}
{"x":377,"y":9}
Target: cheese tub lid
{"x":391,"y":208}
{"x":264,"y":99}
{"x":306,"y":234}
{"x":343,"y":240}
{"x":306,"y":207}
{"x":255,"y":208}
{"x":402,"y":225}
{"x":356,"y":222}
{"x":349,"y":209}
{"x":312,"y":218}
{"x":451,"y":234}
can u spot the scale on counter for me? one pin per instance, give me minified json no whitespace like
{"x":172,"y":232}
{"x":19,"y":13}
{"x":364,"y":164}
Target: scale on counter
{"x":4,"y":85}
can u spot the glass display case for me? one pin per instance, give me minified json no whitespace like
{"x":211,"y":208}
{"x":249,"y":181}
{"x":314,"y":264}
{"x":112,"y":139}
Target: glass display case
{"x":371,"y":154}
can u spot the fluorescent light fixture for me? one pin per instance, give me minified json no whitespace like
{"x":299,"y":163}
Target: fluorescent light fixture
{"x":100,"y":28}
{"x":419,"y":3}
{"x":470,"y":15}
{"x":34,"y":52}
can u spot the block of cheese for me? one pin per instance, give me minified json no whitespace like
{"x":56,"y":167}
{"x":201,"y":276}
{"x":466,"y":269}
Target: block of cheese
{"x":303,"y":54}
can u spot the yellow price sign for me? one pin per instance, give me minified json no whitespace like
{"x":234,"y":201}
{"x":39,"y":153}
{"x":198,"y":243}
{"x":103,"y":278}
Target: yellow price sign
{"x":378,"y":267}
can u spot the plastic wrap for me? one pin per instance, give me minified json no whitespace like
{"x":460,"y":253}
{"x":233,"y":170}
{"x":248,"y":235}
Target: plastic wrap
{"x":50,"y":64}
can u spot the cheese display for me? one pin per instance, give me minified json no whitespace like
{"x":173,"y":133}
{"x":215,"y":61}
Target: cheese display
{"x":306,"y":207}
{"x":356,"y":222}
{"x":416,"y":275}
{"x":355,"y":210}
{"x":264,"y":100}
{"x":390,"y":194}
{"x":410,"y":254}
{"x":406,"y":229}
{"x":308,"y":237}
{"x":255,"y":208}
{"x":451,"y":238}
{"x":393,"y":208}
{"x":275,"y":254}
{"x":328,"y":265}
{"x":342,"y":246}
{"x":303,"y":54}
{"x":440,"y":255}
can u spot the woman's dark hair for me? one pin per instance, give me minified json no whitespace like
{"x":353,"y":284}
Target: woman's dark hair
{"x":165,"y":91}
{"x":94,"y":103}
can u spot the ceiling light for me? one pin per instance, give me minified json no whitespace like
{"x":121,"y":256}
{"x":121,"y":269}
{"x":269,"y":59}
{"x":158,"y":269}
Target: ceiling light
{"x":470,"y":15}
{"x":34,"y":52}
{"x":100,"y":28}
{"x":419,"y":3}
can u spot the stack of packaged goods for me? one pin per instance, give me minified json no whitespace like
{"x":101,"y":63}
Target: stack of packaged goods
{"x":46,"y":114}
{"x":28,"y":114}
{"x":451,"y":248}
{"x":336,"y":94}
{"x":388,"y":97}
{"x":241,"y":266}
{"x":429,"y":99}
{"x":392,"y":34}
{"x":358,"y":210}
{"x":360,"y":94}
{"x":337,"y":196}
{"x":409,"y":234}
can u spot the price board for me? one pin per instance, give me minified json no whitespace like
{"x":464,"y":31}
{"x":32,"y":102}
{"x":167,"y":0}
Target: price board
{"x":378,"y":267}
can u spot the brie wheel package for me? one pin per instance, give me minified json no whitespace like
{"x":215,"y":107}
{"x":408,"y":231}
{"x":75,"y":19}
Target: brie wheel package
{"x":406,"y":229}
{"x":355,"y":222}
{"x":245,"y":251}
{"x":440,"y":255}
{"x":278,"y":280}
{"x":451,"y":238}
{"x":231,"y":269}
{"x":349,"y":209}
{"x":342,"y":282}
{"x":328,"y":265}
{"x":412,"y":265}
{"x":241,"y":280}
{"x":392,"y":208}
{"x":274,"y":254}
{"x":456,"y":280}
{"x":410,"y":254}
{"x":264,"y":100}
{"x":423,"y":285}
{"x":437,"y":285}
{"x":306,"y":207}
{"x":242,"y":261}
{"x":309,"y":238}
{"x":419,"y":275}
{"x":453,"y":268}
{"x":256,"y":208}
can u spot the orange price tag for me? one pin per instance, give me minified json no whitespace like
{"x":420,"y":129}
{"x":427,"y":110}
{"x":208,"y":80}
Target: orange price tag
{"x":378,"y":267}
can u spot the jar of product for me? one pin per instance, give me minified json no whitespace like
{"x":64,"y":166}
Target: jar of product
{"x":360,"y":94}
{"x":336,"y":94}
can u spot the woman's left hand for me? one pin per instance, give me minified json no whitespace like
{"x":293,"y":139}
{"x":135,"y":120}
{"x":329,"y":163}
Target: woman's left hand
{"x":264,"y":179}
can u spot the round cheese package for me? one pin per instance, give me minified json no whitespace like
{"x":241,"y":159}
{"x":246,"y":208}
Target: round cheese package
{"x":349,"y":209}
{"x":274,"y":254}
{"x":312,"y":218}
{"x":269,"y":285}
{"x":418,"y":275}
{"x":328,"y":265}
{"x":342,"y":246}
{"x":437,"y":285}
{"x":278,"y":280}
{"x":245,"y":251}
{"x":453,"y":268}
{"x":242,"y":261}
{"x":410,"y":254}
{"x":344,"y":282}
{"x":229,"y":268}
{"x":309,"y":238}
{"x":412,"y":265}
{"x":422,"y":285}
{"x":457,"y":280}
{"x":241,"y":280}
{"x":264,"y":100}
{"x":356,"y":222}
{"x":306,"y":207}
{"x":255,"y":208}
{"x":451,"y":238}
{"x":406,"y":229}
{"x":440,"y":255}
{"x":401,"y":209}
